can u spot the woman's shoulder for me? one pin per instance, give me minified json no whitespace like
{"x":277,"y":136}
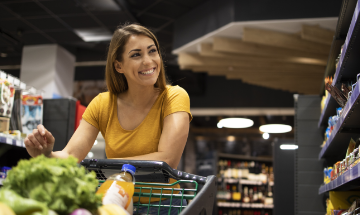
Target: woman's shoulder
{"x":103,"y":98}
{"x":175,"y":90}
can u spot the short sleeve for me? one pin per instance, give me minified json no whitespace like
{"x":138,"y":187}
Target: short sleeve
{"x":177,"y":100}
{"x":92,"y":112}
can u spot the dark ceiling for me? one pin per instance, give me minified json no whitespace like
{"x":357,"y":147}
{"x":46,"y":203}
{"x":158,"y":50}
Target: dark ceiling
{"x":30,"y":22}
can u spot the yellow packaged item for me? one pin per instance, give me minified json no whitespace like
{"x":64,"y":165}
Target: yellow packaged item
{"x":343,"y":199}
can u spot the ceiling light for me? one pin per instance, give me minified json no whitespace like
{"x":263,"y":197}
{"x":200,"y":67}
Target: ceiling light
{"x":266,"y":136}
{"x":230,"y":138}
{"x":95,"y":143}
{"x":3,"y":54}
{"x":93,"y":34}
{"x":235,"y":123}
{"x":288,"y":146}
{"x":275,"y":128}
{"x":90,"y":154}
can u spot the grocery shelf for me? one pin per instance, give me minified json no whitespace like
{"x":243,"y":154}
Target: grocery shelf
{"x":329,"y":110}
{"x":12,"y":141}
{"x":244,"y":205}
{"x":347,"y":181}
{"x":243,"y":181}
{"x":347,"y":127}
{"x":244,"y":157}
{"x":348,"y":66}
{"x":344,"y":21}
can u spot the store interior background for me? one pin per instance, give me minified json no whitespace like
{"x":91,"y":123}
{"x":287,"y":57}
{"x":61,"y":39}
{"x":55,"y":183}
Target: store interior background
{"x":222,"y":80}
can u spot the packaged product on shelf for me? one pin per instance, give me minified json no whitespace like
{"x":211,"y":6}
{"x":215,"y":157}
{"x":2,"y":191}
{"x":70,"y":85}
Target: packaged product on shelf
{"x":351,"y":147}
{"x":340,"y":199}
{"x":346,"y":89}
{"x":327,"y":174}
{"x":15,"y":120}
{"x":6,"y":98}
{"x":337,"y":94}
{"x":339,"y":111}
{"x":3,"y":171}
{"x":31,"y":112}
{"x":354,"y":206}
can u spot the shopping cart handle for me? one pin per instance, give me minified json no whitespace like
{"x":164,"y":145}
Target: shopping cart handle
{"x":179,"y":175}
{"x":142,"y":165}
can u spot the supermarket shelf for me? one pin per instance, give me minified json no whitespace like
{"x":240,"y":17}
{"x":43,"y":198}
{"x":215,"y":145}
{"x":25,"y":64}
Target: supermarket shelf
{"x":347,"y":127}
{"x":329,"y":110}
{"x":244,"y":157}
{"x":9,"y":140}
{"x":244,"y":205}
{"x":347,"y":181}
{"x":348,"y":66}
{"x":243,"y":181}
{"x":345,"y":17}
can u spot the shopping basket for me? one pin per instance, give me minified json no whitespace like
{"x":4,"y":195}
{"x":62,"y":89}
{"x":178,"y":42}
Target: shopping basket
{"x":158,"y":173}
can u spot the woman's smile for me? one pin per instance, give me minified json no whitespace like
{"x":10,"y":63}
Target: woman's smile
{"x":147,"y":72}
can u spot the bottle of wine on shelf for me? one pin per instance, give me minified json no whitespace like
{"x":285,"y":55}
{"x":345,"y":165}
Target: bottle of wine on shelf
{"x":246,"y":198}
{"x":251,"y":195}
{"x":255,"y":198}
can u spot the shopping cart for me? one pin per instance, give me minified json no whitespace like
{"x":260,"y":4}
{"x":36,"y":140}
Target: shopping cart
{"x":158,"y":172}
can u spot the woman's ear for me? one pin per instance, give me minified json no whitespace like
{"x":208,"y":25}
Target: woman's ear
{"x":118,"y":66}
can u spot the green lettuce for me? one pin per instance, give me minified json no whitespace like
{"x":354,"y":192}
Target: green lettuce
{"x":61,"y":184}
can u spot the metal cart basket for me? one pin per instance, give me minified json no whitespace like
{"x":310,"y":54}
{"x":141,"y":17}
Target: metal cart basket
{"x":202,"y":190}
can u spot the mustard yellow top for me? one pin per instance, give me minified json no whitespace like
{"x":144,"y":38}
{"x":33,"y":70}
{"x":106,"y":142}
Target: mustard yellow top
{"x":120,"y":143}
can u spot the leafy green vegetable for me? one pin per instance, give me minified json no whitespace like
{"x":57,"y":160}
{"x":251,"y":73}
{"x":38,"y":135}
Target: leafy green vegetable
{"x":21,"y":205}
{"x":60,"y":183}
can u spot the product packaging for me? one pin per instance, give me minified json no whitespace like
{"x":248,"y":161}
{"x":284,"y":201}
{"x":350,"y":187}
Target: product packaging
{"x":31,"y":111}
{"x":343,"y":199}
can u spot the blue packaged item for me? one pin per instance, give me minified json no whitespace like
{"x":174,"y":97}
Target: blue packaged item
{"x":339,"y":111}
{"x":4,"y":171}
{"x":327,"y":132}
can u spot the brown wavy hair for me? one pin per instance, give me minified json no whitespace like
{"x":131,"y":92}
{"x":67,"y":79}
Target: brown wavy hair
{"x":116,"y":82}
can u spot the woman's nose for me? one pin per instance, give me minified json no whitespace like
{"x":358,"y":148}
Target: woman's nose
{"x":147,"y":59}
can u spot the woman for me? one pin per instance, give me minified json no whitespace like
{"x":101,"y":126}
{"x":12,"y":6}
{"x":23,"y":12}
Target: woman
{"x":140,"y":117}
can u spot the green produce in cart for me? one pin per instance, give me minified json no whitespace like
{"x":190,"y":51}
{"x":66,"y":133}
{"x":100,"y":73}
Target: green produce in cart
{"x":21,"y":205}
{"x":61,"y":184}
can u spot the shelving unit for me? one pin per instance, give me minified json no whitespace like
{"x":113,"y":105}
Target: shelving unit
{"x":230,"y":204}
{"x":244,"y":205}
{"x":348,"y":180}
{"x":12,"y":141}
{"x":243,"y":157}
{"x":348,"y":125}
{"x":344,"y":21}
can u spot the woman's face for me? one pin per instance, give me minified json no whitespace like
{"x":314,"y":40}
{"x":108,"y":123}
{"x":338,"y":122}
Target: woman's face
{"x":141,"y":61}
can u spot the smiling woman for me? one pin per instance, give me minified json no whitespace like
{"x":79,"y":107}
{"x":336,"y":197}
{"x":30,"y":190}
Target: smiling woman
{"x":140,"y":117}
{"x":128,"y":47}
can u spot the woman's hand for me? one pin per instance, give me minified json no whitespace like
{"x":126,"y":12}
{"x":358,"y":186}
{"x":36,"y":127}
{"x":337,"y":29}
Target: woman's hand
{"x":40,"y":141}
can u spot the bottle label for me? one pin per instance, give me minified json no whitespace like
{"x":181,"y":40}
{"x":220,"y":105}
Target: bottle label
{"x":116,"y":195}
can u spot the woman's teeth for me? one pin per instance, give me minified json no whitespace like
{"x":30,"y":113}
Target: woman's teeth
{"x":147,"y":72}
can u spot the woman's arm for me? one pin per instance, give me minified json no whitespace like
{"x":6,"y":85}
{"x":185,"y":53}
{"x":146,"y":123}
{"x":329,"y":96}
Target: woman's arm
{"x":172,"y":141}
{"x":80,"y":143}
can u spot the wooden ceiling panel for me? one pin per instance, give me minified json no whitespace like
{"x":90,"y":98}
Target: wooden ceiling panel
{"x":317,"y":34}
{"x":187,"y":60}
{"x":206,"y":50}
{"x":239,"y":46}
{"x":283,"y":40}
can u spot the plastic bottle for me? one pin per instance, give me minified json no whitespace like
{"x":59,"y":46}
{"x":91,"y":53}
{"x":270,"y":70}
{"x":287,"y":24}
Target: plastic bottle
{"x":119,"y":188}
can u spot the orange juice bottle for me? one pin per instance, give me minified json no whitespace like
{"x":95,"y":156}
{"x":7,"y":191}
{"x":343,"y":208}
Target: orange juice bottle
{"x":119,"y":188}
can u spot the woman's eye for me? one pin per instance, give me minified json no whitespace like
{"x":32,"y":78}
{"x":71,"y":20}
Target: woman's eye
{"x":135,"y":55}
{"x":153,"y":50}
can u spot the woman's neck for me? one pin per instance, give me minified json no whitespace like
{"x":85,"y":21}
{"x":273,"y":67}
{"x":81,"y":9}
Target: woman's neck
{"x":138,"y":96}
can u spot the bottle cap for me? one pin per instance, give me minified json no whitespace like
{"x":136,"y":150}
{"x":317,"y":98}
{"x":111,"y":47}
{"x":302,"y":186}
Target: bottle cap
{"x":129,"y":168}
